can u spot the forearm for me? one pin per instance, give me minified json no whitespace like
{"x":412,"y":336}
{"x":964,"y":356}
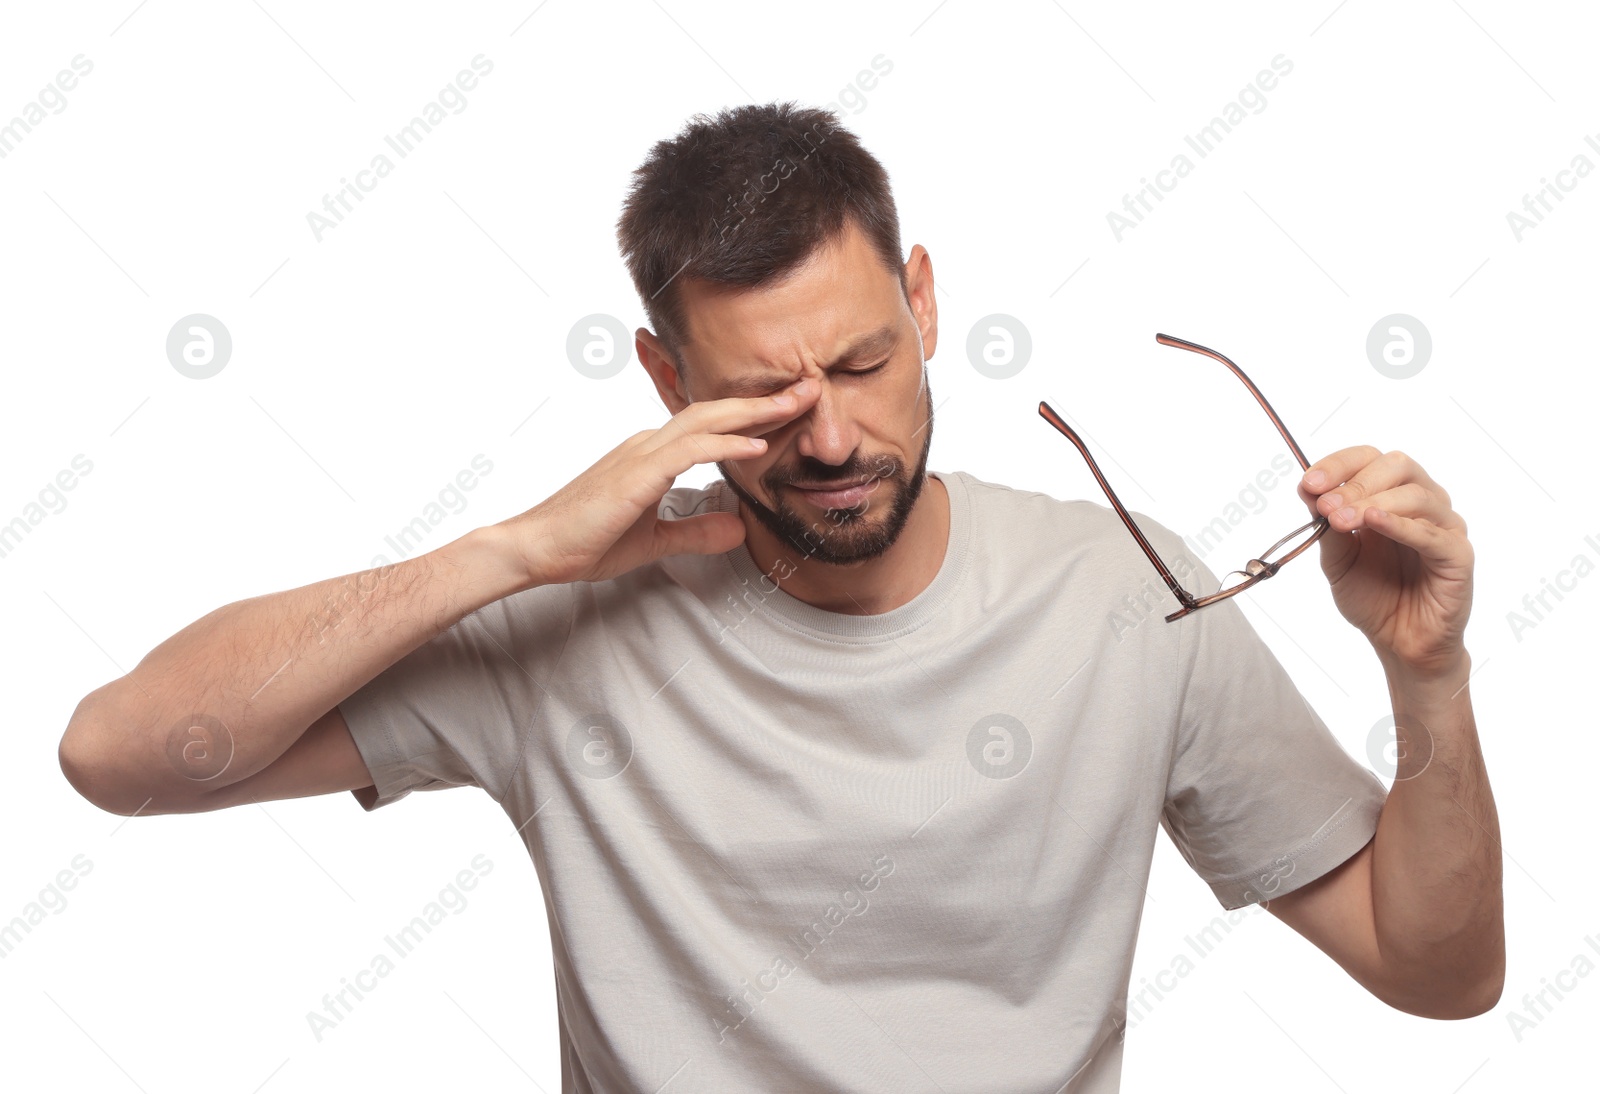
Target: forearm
{"x":1436,"y":867}
{"x":264,"y":669}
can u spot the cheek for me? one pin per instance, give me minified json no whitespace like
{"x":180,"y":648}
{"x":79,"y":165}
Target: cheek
{"x":753,"y":471}
{"x":911,"y":398}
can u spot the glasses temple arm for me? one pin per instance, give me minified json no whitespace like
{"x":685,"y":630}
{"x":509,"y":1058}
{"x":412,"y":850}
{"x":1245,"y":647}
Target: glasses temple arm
{"x":1193,"y":347}
{"x":1184,"y":598}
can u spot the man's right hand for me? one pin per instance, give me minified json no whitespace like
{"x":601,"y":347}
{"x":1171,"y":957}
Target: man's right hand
{"x":266,"y":675}
{"x":604,"y":523}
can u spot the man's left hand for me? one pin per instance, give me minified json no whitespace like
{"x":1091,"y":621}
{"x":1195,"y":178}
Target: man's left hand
{"x":1396,"y":556}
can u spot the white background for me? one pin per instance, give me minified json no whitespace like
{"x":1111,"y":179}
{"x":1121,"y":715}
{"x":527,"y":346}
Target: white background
{"x":370,"y":367}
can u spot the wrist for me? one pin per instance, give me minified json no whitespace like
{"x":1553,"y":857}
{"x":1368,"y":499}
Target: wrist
{"x":1436,"y":684}
{"x":486,"y":566}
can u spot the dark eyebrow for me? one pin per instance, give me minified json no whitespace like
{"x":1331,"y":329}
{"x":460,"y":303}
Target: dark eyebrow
{"x":872,"y":344}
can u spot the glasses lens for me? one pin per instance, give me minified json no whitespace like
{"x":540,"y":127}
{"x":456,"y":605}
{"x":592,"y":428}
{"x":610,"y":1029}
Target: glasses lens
{"x":1291,"y":543}
{"x":1233,"y":581}
{"x":1275,"y":555}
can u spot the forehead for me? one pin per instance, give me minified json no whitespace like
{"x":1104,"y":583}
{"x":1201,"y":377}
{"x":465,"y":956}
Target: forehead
{"x":842,"y":291}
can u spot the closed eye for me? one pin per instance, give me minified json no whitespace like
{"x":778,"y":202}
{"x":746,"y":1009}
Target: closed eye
{"x":847,"y":372}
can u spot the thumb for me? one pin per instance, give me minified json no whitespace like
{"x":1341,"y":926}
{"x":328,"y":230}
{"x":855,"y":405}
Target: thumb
{"x":706,"y":534}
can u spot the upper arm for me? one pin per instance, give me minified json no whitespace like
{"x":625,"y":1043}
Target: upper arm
{"x":323,"y":760}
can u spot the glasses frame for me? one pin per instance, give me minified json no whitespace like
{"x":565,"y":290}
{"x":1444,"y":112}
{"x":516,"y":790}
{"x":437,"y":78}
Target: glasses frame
{"x":1255,"y":570}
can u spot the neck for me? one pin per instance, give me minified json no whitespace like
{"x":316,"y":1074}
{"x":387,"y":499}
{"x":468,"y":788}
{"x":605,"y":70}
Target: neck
{"x":869,"y":587}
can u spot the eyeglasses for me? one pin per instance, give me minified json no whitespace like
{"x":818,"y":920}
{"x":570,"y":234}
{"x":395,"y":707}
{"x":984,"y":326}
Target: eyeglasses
{"x":1257,"y":569}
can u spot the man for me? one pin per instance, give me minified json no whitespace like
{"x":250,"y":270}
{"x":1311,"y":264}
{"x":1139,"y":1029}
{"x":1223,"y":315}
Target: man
{"x":834,"y":776}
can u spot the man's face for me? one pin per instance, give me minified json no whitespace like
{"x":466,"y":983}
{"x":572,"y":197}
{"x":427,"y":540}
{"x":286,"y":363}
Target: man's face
{"x":842,"y":320}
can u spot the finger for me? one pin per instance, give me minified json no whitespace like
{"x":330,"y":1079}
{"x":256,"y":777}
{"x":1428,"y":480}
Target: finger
{"x":1390,"y":470}
{"x":673,"y":458}
{"x":1334,"y":468}
{"x":706,"y":534}
{"x":1440,"y":545}
{"x":1359,"y":473}
{"x":752,"y":417}
{"x":638,"y":439}
{"x":1409,"y":499}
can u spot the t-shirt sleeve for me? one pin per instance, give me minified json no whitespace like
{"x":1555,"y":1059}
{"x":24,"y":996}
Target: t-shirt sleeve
{"x":1261,"y":798}
{"x":457,"y":710}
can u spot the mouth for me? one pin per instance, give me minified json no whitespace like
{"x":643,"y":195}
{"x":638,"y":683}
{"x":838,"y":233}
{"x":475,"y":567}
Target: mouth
{"x":838,"y":495}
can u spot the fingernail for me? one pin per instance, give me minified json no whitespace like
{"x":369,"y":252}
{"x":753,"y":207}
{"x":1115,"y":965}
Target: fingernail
{"x":803,"y":387}
{"x":1334,"y":501}
{"x":1346,"y":514}
{"x":1316,"y":478}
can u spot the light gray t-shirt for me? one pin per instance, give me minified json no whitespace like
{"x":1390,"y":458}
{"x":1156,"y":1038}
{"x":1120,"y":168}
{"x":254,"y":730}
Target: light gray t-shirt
{"x":786,"y":849}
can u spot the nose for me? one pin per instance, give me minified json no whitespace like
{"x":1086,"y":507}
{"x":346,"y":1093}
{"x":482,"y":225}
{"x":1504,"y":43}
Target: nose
{"x":827,"y":432}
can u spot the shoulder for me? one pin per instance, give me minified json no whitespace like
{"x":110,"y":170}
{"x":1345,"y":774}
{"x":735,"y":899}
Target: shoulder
{"x":1073,"y":522}
{"x":1072,"y":547}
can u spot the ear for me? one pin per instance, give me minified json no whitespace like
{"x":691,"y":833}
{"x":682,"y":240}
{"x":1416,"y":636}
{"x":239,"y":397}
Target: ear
{"x":662,"y":369}
{"x":919,"y":292}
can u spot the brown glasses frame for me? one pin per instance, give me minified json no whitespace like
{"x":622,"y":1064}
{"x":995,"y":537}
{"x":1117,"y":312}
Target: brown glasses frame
{"x":1255,"y":570}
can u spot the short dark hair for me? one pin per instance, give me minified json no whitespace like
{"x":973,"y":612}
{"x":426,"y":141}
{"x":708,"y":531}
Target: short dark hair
{"x":743,"y":198}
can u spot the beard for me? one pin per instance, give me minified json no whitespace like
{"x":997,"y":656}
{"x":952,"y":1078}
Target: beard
{"x":842,"y":536}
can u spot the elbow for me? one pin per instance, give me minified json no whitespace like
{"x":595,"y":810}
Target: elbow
{"x":98,"y":770}
{"x":1453,"y":1008}
{"x":1485,"y":997}
{"x":1451,"y":998}
{"x":1490,"y":997}
{"x":87,"y":775}
{"x":1447,"y":975}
